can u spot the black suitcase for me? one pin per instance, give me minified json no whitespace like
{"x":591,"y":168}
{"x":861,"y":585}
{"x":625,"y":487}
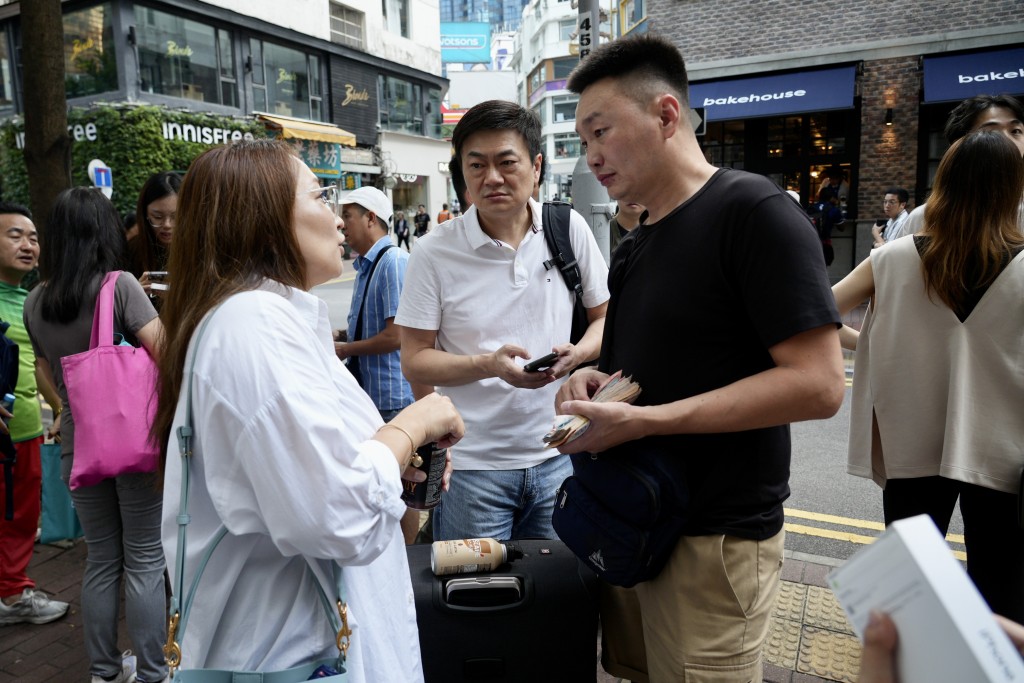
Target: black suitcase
{"x":532,"y":620}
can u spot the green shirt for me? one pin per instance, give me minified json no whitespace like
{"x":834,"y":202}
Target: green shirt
{"x":27,"y":422}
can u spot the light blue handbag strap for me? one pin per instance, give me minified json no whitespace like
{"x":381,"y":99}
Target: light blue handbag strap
{"x":182,"y":609}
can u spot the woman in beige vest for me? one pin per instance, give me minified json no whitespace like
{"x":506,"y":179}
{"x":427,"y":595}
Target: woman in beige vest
{"x":939,"y":384}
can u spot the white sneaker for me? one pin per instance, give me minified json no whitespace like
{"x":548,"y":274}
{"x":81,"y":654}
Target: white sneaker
{"x":34,"y":607}
{"x":127,"y":674}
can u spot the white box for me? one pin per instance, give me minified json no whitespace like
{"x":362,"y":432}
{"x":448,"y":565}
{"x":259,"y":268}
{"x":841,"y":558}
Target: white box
{"x":946,"y":631}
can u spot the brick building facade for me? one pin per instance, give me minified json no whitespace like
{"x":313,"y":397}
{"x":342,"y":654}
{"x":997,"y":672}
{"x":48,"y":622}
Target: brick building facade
{"x":882,"y":123}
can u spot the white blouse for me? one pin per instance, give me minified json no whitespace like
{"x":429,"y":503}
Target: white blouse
{"x":283,"y":457}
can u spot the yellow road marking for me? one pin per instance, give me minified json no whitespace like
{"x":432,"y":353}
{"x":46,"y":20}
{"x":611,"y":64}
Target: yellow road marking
{"x":848,"y":536}
{"x":834,"y":519}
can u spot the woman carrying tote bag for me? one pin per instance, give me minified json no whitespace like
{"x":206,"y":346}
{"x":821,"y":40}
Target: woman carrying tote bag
{"x":80,"y":243}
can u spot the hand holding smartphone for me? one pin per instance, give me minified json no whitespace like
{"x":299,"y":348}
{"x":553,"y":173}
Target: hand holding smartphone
{"x":542,"y":363}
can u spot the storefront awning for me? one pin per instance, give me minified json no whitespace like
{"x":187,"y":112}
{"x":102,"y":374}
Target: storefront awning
{"x":301,"y":129}
{"x":745,"y":98}
{"x":952,"y":78}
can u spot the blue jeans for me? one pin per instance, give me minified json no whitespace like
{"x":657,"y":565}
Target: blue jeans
{"x":121,"y":519}
{"x":502,"y":504}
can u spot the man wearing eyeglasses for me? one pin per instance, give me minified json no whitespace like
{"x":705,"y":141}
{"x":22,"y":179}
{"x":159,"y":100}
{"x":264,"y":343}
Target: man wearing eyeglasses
{"x":895,"y":207}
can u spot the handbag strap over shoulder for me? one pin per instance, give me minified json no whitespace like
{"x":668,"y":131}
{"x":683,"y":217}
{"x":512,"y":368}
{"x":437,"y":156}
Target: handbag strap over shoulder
{"x":181,"y":602}
{"x":103,"y":317}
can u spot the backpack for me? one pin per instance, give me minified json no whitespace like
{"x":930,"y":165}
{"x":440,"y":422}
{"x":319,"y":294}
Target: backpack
{"x":555,"y":219}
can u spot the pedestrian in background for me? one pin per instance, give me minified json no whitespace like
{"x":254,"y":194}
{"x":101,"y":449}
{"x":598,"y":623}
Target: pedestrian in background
{"x":444,"y":214}
{"x":82,"y":241}
{"x":939,"y":384}
{"x":894,"y":204}
{"x":402,"y":229}
{"x":422,"y":221}
{"x":288,"y":453}
{"x":1000,"y":113}
{"x":21,"y":602}
{"x":157,"y":209}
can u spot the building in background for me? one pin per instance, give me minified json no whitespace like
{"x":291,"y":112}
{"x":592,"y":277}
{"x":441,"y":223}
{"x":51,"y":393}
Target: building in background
{"x":502,"y":15}
{"x":356,"y":85}
{"x":865,"y":87}
{"x":545,"y":53}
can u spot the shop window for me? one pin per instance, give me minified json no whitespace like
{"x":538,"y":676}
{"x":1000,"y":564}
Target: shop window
{"x":567,"y":146}
{"x":184,"y":58}
{"x":400,"y":105}
{"x":827,"y":134}
{"x":723,"y":144}
{"x":537,"y":79}
{"x":346,"y":26}
{"x":286,"y":81}
{"x":6,"y":77}
{"x":565,"y":108}
{"x":784,"y":137}
{"x":90,"y":60}
{"x":434,"y":118}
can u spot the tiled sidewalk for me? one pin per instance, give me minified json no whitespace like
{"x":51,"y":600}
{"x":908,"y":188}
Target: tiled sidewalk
{"x":810,"y":640}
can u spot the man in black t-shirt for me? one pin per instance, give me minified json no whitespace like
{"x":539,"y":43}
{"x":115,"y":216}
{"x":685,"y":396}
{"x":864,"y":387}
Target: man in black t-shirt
{"x":721,"y":311}
{"x":422,"y":221}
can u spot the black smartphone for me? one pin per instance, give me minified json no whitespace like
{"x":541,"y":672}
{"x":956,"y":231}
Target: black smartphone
{"x":881,"y":222}
{"x":542,"y":363}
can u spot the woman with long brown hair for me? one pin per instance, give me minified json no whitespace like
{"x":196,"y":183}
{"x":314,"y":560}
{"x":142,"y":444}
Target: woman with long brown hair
{"x":939,"y":381}
{"x":288,"y":453}
{"x":157,"y":212}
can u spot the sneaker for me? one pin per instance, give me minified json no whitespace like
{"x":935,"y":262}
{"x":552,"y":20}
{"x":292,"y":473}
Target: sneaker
{"x":34,"y":607}
{"x":127,"y":674}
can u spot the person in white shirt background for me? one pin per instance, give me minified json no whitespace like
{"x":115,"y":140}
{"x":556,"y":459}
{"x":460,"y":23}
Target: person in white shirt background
{"x":895,"y":207}
{"x":289,"y":454}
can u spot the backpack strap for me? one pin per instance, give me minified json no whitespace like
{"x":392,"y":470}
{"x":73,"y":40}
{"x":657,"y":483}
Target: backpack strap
{"x":556,"y":233}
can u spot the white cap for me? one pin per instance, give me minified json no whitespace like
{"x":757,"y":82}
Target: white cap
{"x":371,"y":199}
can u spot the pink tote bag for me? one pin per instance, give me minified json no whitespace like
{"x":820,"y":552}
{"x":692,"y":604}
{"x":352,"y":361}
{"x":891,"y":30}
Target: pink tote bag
{"x":112,"y":394}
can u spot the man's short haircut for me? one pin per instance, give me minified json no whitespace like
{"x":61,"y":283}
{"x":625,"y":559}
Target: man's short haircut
{"x":961,"y":119}
{"x":645,"y":66}
{"x":12,"y":207}
{"x":381,"y":223}
{"x":499,"y":115}
{"x":900,"y":193}
{"x":458,"y":182}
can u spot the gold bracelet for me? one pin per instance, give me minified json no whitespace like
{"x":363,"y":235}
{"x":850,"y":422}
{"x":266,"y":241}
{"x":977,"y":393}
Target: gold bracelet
{"x":416,"y":460}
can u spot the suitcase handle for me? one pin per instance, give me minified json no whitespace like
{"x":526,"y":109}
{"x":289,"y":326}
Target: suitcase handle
{"x":486,"y":594}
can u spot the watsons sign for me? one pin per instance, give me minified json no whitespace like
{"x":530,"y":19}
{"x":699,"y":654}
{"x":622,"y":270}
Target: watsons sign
{"x":171,"y":131}
{"x":465,"y":41}
{"x":774,"y":95}
{"x":951,"y":78}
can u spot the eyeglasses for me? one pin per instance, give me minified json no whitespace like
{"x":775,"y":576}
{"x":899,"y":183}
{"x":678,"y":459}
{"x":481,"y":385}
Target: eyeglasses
{"x":161,"y":221}
{"x":328,"y":195}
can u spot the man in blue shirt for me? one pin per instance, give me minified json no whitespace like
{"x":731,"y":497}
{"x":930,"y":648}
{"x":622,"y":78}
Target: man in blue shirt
{"x":372,"y":346}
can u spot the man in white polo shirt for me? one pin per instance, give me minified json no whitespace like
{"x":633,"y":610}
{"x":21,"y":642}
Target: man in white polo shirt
{"x":478,"y":303}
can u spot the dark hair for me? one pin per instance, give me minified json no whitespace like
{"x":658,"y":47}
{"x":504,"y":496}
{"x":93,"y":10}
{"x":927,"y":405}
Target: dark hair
{"x":234,"y":231}
{"x":499,"y":115}
{"x":458,"y":182}
{"x":900,"y":193}
{"x":12,"y":207}
{"x":971,"y":217}
{"x":961,"y":119}
{"x":651,"y":62}
{"x":152,"y":254}
{"x":129,"y":221}
{"x":82,"y":239}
